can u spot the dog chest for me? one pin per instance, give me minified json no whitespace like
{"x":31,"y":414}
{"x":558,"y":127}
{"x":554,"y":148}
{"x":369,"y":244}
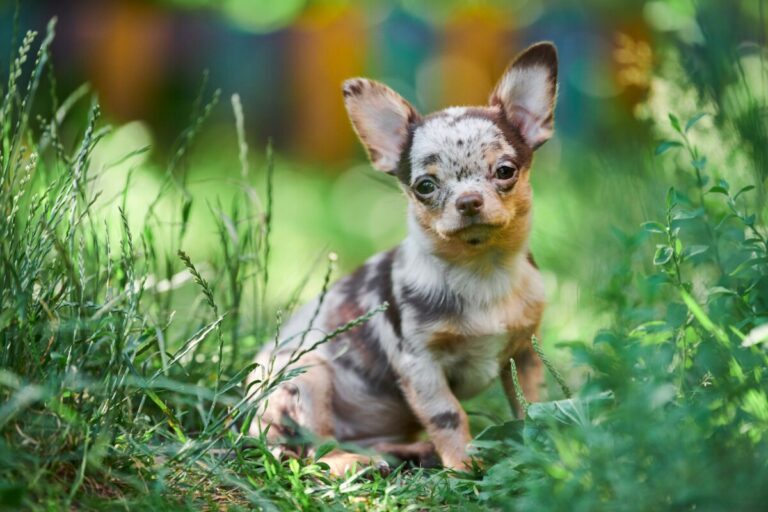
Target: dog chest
{"x":470,"y":363}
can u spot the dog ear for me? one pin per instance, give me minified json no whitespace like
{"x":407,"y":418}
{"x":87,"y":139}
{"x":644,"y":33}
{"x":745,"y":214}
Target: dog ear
{"x":527,"y":93}
{"x":381,"y":119}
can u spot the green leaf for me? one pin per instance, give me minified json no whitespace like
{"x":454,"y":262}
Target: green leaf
{"x":667,"y":144}
{"x":699,"y":163}
{"x":574,"y":411}
{"x":663,"y":255}
{"x":678,"y":246}
{"x":675,"y":122}
{"x":510,"y":430}
{"x":694,"y":250}
{"x":720,"y":290}
{"x":717,"y":189}
{"x":724,"y":219}
{"x":754,"y":244}
{"x":744,"y":265}
{"x":654,"y":227}
{"x":650,"y":327}
{"x":745,"y":189}
{"x":657,"y":278}
{"x":692,"y":121}
{"x":324,"y":449}
{"x":687,"y":214}
{"x":670,"y":198}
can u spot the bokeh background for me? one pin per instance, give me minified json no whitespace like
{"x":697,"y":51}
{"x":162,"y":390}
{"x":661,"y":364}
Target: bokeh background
{"x":624,"y":66}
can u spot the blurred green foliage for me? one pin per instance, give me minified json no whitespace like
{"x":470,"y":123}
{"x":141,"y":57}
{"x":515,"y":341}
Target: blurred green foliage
{"x":675,"y":412}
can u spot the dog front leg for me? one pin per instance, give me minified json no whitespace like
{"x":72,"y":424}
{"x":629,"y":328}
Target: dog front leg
{"x":439,"y":411}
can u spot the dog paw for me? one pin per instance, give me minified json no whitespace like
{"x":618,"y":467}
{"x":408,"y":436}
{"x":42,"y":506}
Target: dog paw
{"x":383,"y":468}
{"x":342,"y":463}
{"x":419,"y":453}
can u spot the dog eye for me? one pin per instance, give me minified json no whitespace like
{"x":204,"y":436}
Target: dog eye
{"x":505,"y":172}
{"x":425,"y":187}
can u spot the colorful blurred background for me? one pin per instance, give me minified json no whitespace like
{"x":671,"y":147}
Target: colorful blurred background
{"x":624,"y":66}
{"x":286,"y":58}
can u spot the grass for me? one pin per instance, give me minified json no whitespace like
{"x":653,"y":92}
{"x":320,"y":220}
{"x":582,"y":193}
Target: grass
{"x":124,"y":352}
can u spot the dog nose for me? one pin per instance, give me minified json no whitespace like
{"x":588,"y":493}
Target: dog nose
{"x":469,"y":204}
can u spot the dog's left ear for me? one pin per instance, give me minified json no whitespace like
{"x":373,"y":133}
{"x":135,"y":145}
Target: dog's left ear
{"x":527,"y":93}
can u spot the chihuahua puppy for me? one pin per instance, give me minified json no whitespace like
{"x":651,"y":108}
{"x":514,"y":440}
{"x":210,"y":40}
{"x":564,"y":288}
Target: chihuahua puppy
{"x":463,"y":292}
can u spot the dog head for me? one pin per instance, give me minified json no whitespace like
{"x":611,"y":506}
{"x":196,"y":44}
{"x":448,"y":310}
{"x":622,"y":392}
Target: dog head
{"x":465,"y":170}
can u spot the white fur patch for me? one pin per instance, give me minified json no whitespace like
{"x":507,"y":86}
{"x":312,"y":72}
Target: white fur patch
{"x":473,"y":366}
{"x":528,"y":97}
{"x":527,"y":88}
{"x":380,"y":116}
{"x":441,"y":135}
{"x":432,"y":277}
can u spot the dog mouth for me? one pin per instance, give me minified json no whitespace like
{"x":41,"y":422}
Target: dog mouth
{"x":474,"y":234}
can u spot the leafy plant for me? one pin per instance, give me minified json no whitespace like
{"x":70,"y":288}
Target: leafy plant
{"x":674,"y":413}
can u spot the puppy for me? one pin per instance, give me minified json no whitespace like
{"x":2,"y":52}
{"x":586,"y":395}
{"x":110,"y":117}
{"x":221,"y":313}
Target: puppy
{"x":463,"y":292}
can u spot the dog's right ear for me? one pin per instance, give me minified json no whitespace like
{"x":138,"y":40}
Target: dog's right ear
{"x":528,"y":91}
{"x":381,"y":118}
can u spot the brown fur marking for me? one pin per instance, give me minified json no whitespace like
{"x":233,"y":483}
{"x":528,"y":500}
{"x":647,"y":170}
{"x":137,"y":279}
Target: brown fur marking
{"x":445,"y":341}
{"x":445,"y":420}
